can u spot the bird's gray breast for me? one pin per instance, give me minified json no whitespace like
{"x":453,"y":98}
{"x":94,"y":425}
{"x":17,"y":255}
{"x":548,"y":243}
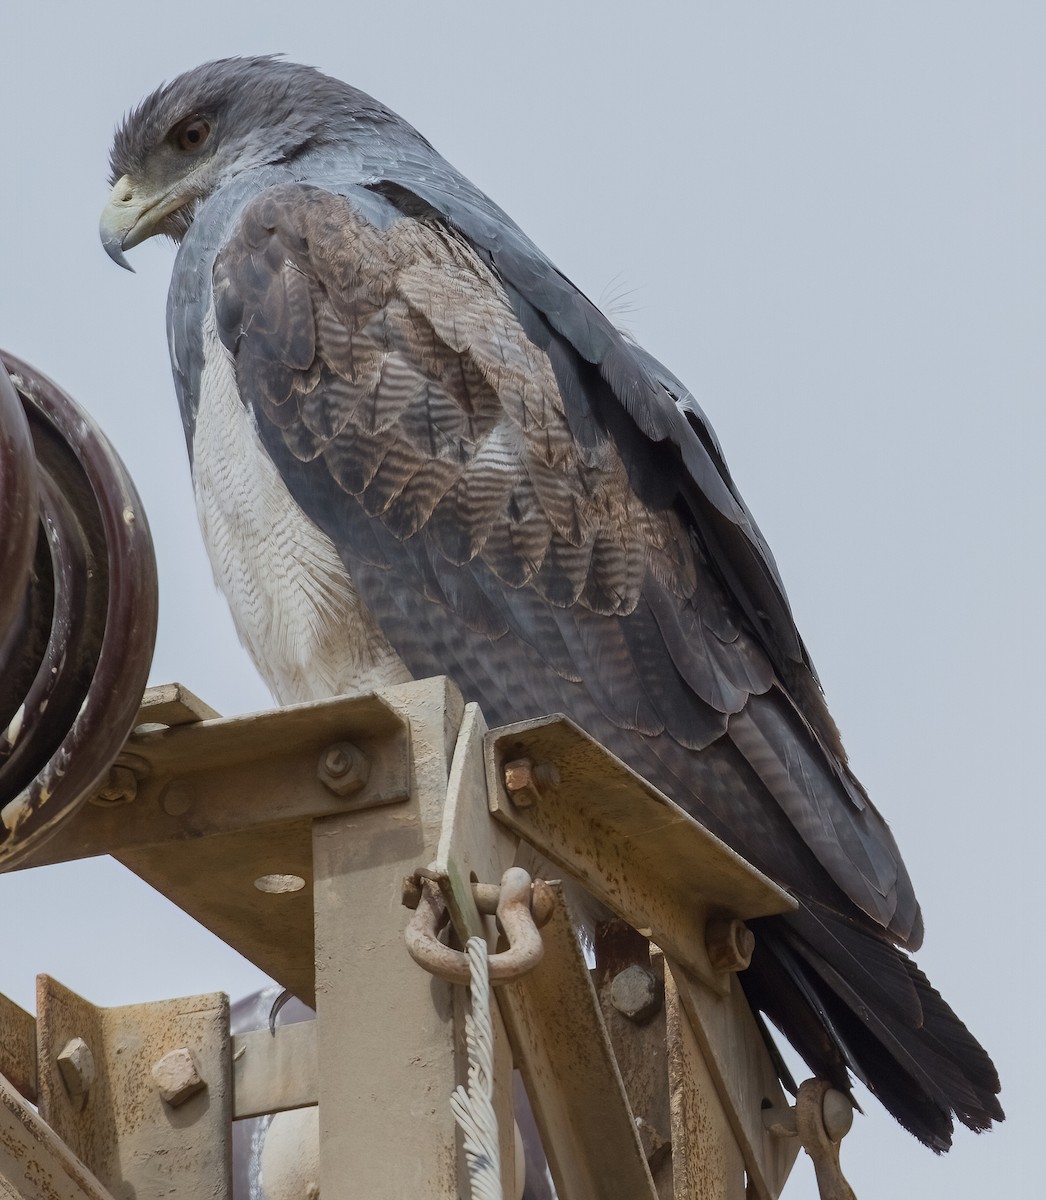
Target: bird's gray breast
{"x":292,"y":600}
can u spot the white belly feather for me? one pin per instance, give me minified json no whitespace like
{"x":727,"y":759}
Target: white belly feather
{"x":291,"y":597}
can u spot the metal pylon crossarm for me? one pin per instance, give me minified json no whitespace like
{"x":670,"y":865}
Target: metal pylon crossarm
{"x":656,"y":1089}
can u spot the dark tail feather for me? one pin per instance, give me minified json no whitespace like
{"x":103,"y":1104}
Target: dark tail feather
{"x":847,"y":999}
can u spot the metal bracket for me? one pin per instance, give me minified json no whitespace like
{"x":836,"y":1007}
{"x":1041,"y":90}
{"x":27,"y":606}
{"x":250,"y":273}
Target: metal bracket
{"x":98,"y":1092}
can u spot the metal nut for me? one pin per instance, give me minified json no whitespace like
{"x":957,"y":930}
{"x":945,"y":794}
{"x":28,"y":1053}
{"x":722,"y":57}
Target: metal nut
{"x":120,"y":788}
{"x":76,"y":1066}
{"x":125,"y":776}
{"x":635,"y":994}
{"x":525,"y":780}
{"x":177,"y":1076}
{"x":729,"y":943}
{"x":343,"y":768}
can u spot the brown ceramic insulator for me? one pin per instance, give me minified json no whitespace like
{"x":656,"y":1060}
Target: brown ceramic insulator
{"x":78,"y":605}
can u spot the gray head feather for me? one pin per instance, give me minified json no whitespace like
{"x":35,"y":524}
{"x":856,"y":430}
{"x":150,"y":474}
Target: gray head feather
{"x":264,"y":110}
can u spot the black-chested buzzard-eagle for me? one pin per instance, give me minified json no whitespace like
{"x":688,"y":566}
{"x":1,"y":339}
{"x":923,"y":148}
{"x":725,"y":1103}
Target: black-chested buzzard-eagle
{"x":418,"y":449}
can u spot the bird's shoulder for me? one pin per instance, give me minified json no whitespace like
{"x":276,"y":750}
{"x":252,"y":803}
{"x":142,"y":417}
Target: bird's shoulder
{"x":527,"y":502}
{"x":384,"y":343}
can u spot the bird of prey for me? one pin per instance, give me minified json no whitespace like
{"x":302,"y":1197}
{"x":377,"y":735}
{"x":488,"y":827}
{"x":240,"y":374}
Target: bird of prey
{"x":418,"y":449}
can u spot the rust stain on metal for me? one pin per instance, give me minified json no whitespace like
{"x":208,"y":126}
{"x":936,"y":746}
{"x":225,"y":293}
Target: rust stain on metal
{"x":123,"y":1131}
{"x":520,"y":783}
{"x":525,"y":948}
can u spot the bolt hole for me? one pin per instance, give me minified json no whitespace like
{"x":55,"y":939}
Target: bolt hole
{"x":278,"y":884}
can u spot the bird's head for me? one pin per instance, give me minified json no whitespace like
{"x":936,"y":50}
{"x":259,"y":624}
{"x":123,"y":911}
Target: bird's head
{"x":212,"y":123}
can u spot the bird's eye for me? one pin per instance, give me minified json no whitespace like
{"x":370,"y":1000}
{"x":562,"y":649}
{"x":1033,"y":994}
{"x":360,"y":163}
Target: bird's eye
{"x":190,"y":135}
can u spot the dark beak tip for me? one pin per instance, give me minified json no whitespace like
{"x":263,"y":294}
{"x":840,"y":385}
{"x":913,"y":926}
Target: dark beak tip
{"x":114,"y":248}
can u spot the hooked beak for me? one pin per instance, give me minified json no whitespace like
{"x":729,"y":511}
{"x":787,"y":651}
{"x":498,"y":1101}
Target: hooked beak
{"x":132,"y":216}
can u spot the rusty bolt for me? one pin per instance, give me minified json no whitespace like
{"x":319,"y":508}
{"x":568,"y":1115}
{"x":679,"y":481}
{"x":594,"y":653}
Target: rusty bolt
{"x":76,"y":1066}
{"x":729,"y":943}
{"x":635,"y":994}
{"x":120,"y":788}
{"x":121,"y":785}
{"x":411,"y":893}
{"x":177,"y":1076}
{"x":525,"y":780}
{"x":343,"y":768}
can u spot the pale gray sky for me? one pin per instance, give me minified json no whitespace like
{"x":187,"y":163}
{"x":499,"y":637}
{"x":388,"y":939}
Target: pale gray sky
{"x":828,"y":219}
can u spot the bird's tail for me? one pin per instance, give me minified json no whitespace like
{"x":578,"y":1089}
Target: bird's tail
{"x":849,"y":1000}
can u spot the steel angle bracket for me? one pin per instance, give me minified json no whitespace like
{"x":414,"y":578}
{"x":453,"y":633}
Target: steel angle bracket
{"x":34,"y":1163}
{"x":666,"y":875}
{"x":472,"y":848}
{"x":189,"y":773}
{"x":217,"y":813}
{"x":721,"y":1068}
{"x":140,"y":1094}
{"x":551,"y":1014}
{"x":635,"y":850}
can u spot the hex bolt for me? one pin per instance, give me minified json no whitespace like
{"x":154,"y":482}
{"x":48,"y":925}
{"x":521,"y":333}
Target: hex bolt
{"x":634,"y":992}
{"x":343,"y":768}
{"x":76,"y":1066}
{"x":525,"y":780}
{"x":121,"y":787}
{"x":177,"y":1076}
{"x":123,"y":781}
{"x":729,"y":943}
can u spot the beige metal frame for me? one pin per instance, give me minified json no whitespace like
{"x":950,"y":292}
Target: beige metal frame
{"x":294,"y":835}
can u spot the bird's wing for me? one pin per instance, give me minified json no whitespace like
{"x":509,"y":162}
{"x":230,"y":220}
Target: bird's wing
{"x":523,"y":505}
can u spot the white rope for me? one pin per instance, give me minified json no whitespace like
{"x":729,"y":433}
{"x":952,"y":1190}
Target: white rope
{"x":474,"y":1109}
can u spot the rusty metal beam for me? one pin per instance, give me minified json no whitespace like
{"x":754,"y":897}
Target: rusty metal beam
{"x":563,"y":1051}
{"x":630,"y":846}
{"x":35,"y":1164}
{"x":707,"y":1163}
{"x":274,"y":1072}
{"x":744,"y":1078}
{"x":224,"y":775}
{"x":18,"y":1048}
{"x":117,"y":1086}
{"x":386,"y":1036}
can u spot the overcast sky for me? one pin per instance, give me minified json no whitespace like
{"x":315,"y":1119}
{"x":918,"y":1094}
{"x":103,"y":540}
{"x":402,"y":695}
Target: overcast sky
{"x":828,"y":219}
